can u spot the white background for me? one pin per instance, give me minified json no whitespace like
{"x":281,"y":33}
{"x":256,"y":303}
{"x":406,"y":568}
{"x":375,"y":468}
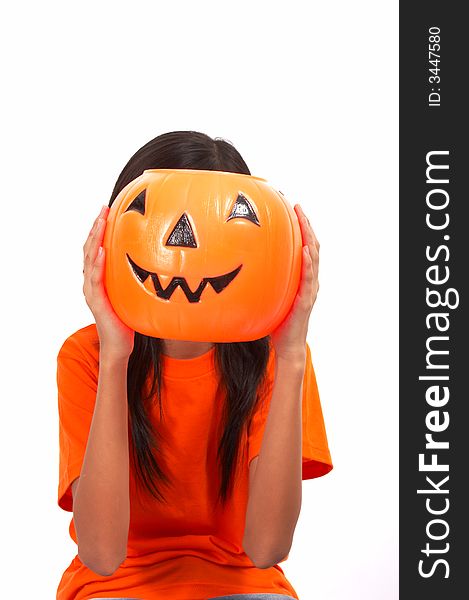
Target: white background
{"x":308,"y":93}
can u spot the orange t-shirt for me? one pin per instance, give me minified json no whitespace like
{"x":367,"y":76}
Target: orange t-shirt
{"x":190,"y":548}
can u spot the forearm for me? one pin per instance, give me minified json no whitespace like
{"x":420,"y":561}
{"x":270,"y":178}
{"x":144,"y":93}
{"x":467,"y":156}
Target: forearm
{"x":275,"y":493}
{"x":101,"y":507}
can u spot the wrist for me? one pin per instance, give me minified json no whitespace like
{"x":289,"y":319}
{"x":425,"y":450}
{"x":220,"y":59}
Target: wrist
{"x":294,"y":362}
{"x":111,"y":357}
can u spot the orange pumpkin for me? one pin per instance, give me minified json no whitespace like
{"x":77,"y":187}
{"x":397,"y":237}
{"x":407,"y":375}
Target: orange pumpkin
{"x":202,"y":255}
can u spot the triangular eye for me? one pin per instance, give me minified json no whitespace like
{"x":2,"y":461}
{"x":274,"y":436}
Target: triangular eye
{"x":138,"y":204}
{"x":243,"y":209}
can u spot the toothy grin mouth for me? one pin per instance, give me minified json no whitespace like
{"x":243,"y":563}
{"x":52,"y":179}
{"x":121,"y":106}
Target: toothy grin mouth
{"x":218,"y":283}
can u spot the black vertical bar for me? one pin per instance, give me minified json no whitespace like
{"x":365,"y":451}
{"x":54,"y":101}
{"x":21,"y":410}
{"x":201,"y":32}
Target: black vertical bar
{"x":434,"y":269}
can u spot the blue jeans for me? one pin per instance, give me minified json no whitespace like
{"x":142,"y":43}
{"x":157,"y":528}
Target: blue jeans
{"x":231,"y":597}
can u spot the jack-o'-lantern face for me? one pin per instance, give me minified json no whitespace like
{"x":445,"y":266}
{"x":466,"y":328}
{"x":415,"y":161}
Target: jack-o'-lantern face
{"x":201,"y":255}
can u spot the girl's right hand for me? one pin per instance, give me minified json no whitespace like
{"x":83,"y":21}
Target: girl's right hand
{"x":115,"y":337}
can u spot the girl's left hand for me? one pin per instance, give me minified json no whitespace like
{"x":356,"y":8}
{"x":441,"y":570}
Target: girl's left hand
{"x":289,"y":339}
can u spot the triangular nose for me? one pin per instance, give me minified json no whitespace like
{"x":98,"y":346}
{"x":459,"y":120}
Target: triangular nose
{"x":182,"y":234}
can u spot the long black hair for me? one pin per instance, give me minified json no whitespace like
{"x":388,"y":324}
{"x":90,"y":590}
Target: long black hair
{"x":241,"y":366}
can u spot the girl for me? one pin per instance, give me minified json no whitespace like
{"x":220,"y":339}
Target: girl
{"x":182,"y":461}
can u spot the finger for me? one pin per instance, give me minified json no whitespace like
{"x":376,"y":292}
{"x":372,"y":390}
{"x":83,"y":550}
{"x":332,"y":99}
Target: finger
{"x":312,"y":234}
{"x":95,"y":242}
{"x":94,"y":291}
{"x":91,"y":247}
{"x":89,"y":239}
{"x":101,"y":214}
{"x":90,"y":235}
{"x":307,"y":277}
{"x":97,"y":271}
{"x":314,"y":262}
{"x":307,"y":229}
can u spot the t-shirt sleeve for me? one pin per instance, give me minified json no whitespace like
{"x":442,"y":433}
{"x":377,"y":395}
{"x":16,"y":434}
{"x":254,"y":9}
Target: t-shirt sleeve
{"x":316,"y":457}
{"x":77,"y":386}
